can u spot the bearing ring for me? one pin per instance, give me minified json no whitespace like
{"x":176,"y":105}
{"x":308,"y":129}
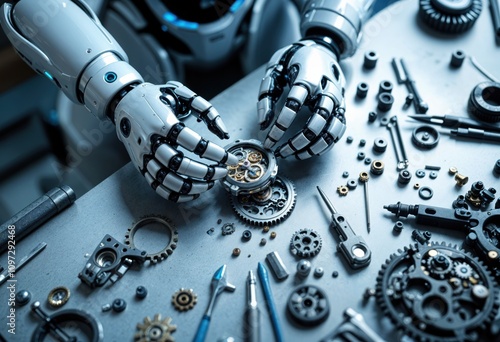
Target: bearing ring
{"x":484,"y":101}
{"x":169,"y":248}
{"x":58,"y":296}
{"x":425,"y":192}
{"x":377,"y":167}
{"x":425,"y":137}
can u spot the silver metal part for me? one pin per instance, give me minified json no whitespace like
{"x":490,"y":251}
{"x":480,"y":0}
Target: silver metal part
{"x":277,"y":265}
{"x":397,"y":142}
{"x":353,"y":328}
{"x":342,"y":18}
{"x":30,"y":256}
{"x":303,"y":268}
{"x":305,"y":243}
{"x":268,"y":207}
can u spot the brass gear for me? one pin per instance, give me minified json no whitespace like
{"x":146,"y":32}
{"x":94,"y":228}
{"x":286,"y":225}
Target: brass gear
{"x":156,"y":330}
{"x":184,"y":299}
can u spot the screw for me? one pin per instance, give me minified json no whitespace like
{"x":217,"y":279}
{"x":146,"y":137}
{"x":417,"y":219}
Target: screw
{"x":236,"y":252}
{"x":363,"y":177}
{"x":461,"y":179}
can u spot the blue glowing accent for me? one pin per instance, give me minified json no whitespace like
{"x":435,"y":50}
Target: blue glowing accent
{"x":49,"y":76}
{"x":172,"y":18}
{"x":220,"y":273}
{"x":236,"y":5}
{"x":110,"y":77}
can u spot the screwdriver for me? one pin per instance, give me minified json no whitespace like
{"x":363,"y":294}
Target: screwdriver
{"x":252,"y":313}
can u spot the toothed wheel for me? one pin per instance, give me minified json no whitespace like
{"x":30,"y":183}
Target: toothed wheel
{"x":462,"y":270}
{"x":184,"y":299}
{"x":228,"y":229}
{"x":268,"y":207}
{"x":433,"y":308}
{"x":156,"y":330}
{"x":305,"y":243}
{"x":450,"y":16}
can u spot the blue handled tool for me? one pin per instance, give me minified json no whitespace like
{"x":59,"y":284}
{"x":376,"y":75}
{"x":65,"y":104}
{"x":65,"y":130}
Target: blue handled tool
{"x":264,"y":280}
{"x":219,"y":284}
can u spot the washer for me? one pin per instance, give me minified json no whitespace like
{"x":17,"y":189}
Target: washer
{"x":425,"y":137}
{"x":425,"y":192}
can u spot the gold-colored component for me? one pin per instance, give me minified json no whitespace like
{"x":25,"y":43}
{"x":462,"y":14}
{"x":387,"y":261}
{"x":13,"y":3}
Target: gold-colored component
{"x":266,"y":229}
{"x":473,"y":280}
{"x":273,"y":235}
{"x":255,"y":157}
{"x":377,"y":167}
{"x":58,"y":296}
{"x":157,"y":330}
{"x":474,"y":200}
{"x":452,"y":170}
{"x":184,"y":299}
{"x":492,"y":255}
{"x":342,"y":190}
{"x":363,"y":176}
{"x":236,"y":252}
{"x":461,"y":179}
{"x":416,"y":186}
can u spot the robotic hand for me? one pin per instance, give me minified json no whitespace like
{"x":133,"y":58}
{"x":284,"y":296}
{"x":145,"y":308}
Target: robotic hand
{"x":65,"y":41}
{"x":315,"y":79}
{"x":331,"y":31}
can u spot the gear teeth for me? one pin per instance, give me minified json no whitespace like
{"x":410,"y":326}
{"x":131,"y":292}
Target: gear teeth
{"x":148,"y":332}
{"x":184,"y":299}
{"x":305,"y":243}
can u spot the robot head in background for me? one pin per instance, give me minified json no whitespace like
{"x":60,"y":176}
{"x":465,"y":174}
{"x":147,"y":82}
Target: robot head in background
{"x":203,"y":33}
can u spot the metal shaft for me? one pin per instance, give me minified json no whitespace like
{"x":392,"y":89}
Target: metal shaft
{"x":252,"y":313}
{"x":367,"y":207}
{"x":37,"y":213}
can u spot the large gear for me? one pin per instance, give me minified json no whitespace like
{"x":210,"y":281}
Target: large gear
{"x":269,"y":206}
{"x":156,"y":330}
{"x":429,"y":306}
{"x":305,"y":243}
{"x":184,"y":299}
{"x":450,"y":16}
{"x":164,"y":222}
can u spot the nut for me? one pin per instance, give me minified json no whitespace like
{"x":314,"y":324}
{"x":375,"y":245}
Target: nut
{"x":363,"y":176}
{"x":452,"y":170}
{"x":273,"y":235}
{"x":461,"y":179}
{"x":265,"y":229}
{"x":342,"y":190}
{"x":236,"y":252}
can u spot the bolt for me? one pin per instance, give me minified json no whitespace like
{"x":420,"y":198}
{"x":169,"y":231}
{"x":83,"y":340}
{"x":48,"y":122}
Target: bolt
{"x":363,"y":177}
{"x":461,"y":179}
{"x":273,"y":235}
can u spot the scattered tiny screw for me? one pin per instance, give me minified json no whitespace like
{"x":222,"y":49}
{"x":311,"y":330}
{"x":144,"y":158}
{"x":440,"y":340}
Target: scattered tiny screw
{"x":345,"y":174}
{"x":318,"y":272}
{"x":416,"y":186}
{"x":379,"y":145}
{"x":273,"y":235}
{"x":352,"y":184}
{"x":461,"y":179}
{"x":303,"y":268}
{"x":335,"y":274}
{"x":452,"y":170}
{"x":265,"y":229}
{"x":421,"y":237}
{"x":119,"y":305}
{"x":398,"y":227}
{"x":496,"y":168}
{"x":404,"y":177}
{"x":211,"y":231}
{"x":263,"y":242}
{"x":141,"y":292}
{"x":369,"y":293}
{"x":408,"y":100}
{"x":236,"y":252}
{"x":368,"y":161}
{"x":457,"y":59}
{"x":362,"y":90}
{"x":106,"y":307}
{"x":372,"y":116}
{"x":361,"y":156}
{"x":23,"y":297}
{"x":349,"y":139}
{"x":370,"y":60}
{"x":219,"y":221}
{"x":362,"y":142}
{"x":246,"y":235}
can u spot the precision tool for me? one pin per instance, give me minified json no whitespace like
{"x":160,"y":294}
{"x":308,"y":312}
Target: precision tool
{"x":403,"y":76}
{"x":266,"y":286}
{"x":397,"y":140}
{"x":34,"y":252}
{"x":495,"y":16}
{"x":475,"y":133}
{"x":219,"y":284}
{"x":352,"y":246}
{"x":252,"y":313}
{"x":363,"y":177}
{"x":37,"y":213}
{"x":452,"y":121}
{"x":353,"y":328}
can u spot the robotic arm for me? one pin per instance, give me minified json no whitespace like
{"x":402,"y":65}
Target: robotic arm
{"x":65,"y":41}
{"x":331,"y":30}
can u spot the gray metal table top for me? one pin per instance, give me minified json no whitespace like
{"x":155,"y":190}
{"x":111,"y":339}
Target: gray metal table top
{"x":123,"y":198}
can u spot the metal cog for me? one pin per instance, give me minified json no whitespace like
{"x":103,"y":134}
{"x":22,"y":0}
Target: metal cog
{"x":305,"y":243}
{"x":169,"y":247}
{"x":462,"y":270}
{"x":184,"y":299}
{"x":438,"y":265}
{"x":437,"y":309}
{"x":450,"y":16}
{"x":228,"y":229}
{"x":156,"y":330}
{"x":267,"y":207}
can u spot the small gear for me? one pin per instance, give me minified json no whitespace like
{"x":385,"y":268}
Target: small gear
{"x":184,"y":299}
{"x":156,"y":330}
{"x":305,"y":243}
{"x":164,"y":222}
{"x":437,"y":309}
{"x":228,"y":228}
{"x":450,"y":16}
{"x":267,"y":207}
{"x":462,"y":270}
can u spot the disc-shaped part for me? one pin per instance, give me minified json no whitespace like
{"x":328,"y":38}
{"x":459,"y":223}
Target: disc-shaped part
{"x":425,"y":137}
{"x":450,"y":16}
{"x":484,"y":101}
{"x":308,"y":305}
{"x":305,"y":243}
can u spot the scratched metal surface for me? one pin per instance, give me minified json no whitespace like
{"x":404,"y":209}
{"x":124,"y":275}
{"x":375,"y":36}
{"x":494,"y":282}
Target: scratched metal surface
{"x":112,"y":206}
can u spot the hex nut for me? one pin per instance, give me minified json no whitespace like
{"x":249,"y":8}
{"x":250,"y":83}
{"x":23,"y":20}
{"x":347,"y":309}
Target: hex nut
{"x":119,"y":305}
{"x":377,"y":167}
